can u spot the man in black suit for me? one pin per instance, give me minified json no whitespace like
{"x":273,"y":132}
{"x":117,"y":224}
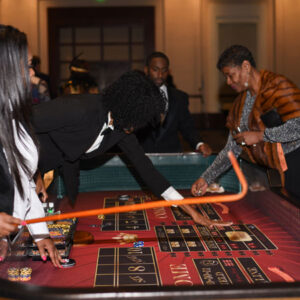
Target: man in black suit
{"x":76,"y":127}
{"x":164,"y":138}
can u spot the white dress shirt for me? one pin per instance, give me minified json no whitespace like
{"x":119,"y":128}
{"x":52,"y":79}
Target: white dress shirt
{"x":29,"y":206}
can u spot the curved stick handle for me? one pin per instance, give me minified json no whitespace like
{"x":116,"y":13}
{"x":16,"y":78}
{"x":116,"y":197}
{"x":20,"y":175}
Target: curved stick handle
{"x":153,"y":204}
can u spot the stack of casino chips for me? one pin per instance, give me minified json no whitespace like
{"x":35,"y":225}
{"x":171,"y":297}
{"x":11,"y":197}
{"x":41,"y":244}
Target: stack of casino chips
{"x":16,"y":274}
{"x":25,"y":274}
{"x":13,"y":274}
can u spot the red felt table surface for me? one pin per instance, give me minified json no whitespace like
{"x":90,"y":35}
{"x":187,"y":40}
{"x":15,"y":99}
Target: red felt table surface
{"x":110,"y":261}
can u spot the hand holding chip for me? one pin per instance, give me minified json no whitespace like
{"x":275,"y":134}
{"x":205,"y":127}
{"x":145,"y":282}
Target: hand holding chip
{"x":199,"y":187}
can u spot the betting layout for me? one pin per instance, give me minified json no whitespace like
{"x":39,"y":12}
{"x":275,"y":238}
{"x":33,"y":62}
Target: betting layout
{"x":231,"y":238}
{"x":183,"y":253}
{"x":224,"y":271}
{"x":132,"y":220}
{"x":204,"y":209}
{"x":172,"y":250}
{"x":127,"y":267}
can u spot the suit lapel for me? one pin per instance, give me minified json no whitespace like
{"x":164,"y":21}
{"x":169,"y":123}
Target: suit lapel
{"x":108,"y":141}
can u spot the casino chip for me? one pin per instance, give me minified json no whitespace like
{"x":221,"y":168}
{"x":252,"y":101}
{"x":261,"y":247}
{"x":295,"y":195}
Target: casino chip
{"x":69,"y":262}
{"x":101,"y":217}
{"x":13,"y":274}
{"x":138,"y":244}
{"x":106,"y":225}
{"x":25,"y":274}
{"x":124,"y":197}
{"x":238,"y":236}
{"x":215,"y":188}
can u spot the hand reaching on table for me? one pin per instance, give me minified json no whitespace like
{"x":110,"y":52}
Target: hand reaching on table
{"x":47,"y":245}
{"x":199,"y":219}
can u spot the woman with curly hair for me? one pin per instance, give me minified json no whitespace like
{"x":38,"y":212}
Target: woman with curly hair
{"x":75,"y":127}
{"x":18,"y":147}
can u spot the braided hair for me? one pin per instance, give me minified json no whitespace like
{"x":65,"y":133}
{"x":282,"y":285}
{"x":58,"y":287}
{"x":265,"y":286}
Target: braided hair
{"x":134,"y":101}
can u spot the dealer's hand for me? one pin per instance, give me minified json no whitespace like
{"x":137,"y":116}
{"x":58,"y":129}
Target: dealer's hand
{"x":249,"y":138}
{"x":8,"y":224}
{"x":47,"y":245}
{"x":199,"y":219}
{"x":199,"y":187}
{"x":204,"y":149}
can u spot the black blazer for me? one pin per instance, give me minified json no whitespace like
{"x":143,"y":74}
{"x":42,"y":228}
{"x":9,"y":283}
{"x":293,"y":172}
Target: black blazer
{"x":165,"y":138}
{"x":68,"y":126}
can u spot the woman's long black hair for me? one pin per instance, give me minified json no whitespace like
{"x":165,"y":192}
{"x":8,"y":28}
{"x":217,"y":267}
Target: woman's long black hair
{"x":15,"y":97}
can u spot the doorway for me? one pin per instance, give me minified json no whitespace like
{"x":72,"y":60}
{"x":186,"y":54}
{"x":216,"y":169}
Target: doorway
{"x":111,"y":39}
{"x":247,"y":22}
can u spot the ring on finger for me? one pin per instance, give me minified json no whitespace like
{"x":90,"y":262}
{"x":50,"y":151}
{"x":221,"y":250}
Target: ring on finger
{"x":199,"y":192}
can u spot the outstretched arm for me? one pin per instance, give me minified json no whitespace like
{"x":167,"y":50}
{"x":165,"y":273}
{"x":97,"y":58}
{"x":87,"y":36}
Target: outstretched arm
{"x":156,"y":182}
{"x":220,"y":165}
{"x":172,"y":194}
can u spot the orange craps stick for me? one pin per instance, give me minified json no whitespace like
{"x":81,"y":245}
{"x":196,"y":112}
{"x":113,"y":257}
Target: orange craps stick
{"x":153,"y":204}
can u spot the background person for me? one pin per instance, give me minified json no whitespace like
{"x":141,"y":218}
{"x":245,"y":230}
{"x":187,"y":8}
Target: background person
{"x":80,"y":80}
{"x":164,"y":138}
{"x":264,"y":121}
{"x":36,"y":65}
{"x":40,"y":82}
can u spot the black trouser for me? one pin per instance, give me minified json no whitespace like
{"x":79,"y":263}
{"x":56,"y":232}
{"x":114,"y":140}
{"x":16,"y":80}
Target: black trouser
{"x":292,"y":175}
